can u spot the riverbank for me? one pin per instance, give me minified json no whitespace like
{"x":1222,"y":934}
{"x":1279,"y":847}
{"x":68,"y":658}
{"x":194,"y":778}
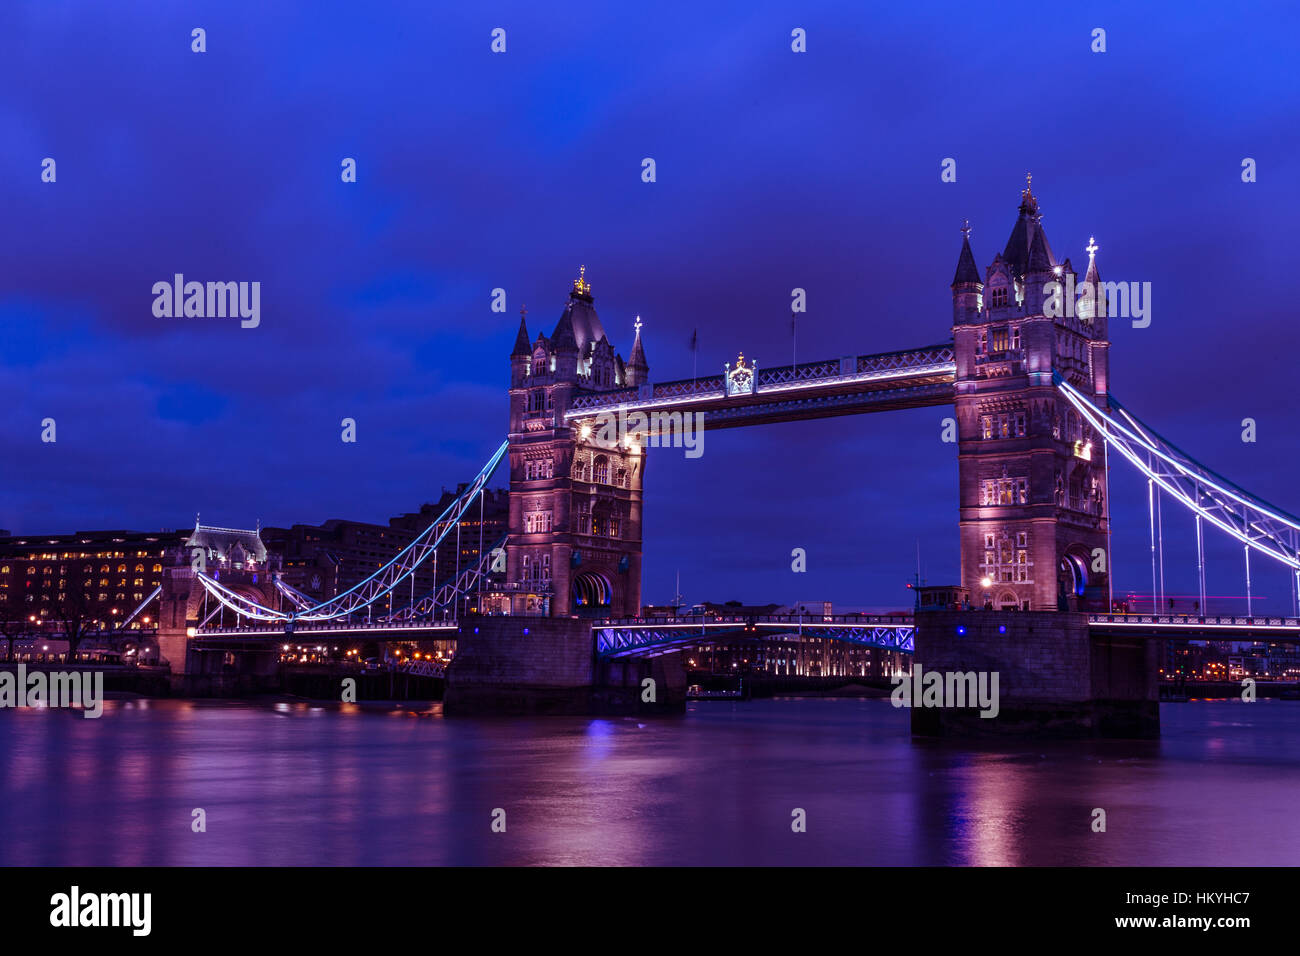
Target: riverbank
{"x":1226,"y":690}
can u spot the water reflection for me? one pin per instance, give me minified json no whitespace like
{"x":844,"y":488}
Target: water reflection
{"x":296,"y":783}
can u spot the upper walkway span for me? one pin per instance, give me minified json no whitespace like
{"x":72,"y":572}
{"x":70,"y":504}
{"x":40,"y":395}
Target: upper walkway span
{"x":748,"y":395}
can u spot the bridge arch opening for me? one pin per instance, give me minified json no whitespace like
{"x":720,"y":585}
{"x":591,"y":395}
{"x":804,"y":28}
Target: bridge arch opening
{"x":1073,"y":575}
{"x":593,"y":594}
{"x":1007,"y":601}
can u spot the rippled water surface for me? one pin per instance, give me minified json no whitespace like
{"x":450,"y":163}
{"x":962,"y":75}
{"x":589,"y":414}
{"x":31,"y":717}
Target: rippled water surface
{"x":304,"y":784}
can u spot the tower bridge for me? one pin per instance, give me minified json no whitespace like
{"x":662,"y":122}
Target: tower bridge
{"x":1036,"y":427}
{"x":1032,"y":502}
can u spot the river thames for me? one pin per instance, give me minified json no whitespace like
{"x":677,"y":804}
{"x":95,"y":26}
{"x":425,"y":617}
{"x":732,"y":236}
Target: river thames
{"x":304,"y":784}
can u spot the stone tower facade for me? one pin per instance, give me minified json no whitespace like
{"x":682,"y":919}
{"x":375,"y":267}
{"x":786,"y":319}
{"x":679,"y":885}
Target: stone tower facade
{"x":574,"y":545}
{"x":1033,"y":496}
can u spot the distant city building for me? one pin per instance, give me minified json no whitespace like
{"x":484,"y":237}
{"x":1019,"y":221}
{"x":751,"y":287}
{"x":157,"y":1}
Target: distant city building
{"x":785,"y":655}
{"x":942,"y":597}
{"x":794,"y":655}
{"x":1227,"y":661}
{"x":659,"y":611}
{"x":86,"y":576}
{"x":327,"y":559}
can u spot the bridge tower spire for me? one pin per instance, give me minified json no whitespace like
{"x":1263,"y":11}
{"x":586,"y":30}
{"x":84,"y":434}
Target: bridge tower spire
{"x":1033,"y":495}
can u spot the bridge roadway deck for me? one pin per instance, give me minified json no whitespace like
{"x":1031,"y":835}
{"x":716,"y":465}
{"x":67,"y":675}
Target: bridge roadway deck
{"x":645,"y":635}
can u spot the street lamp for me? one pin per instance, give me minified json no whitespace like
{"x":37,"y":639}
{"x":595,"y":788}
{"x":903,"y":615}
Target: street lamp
{"x":986,"y":582}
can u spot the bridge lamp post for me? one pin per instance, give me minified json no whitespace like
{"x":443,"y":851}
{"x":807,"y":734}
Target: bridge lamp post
{"x":986,"y":582}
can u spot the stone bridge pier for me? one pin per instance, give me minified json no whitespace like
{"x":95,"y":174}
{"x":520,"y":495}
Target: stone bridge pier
{"x":1054,"y":678}
{"x":548,"y":665}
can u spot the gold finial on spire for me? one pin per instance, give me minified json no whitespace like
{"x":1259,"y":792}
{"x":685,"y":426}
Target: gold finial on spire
{"x":1028,"y":202}
{"x":965,"y":228}
{"x":523,"y":311}
{"x":740,"y":360}
{"x":581,"y":286}
{"x":637,"y":325}
{"x":1092,"y":247}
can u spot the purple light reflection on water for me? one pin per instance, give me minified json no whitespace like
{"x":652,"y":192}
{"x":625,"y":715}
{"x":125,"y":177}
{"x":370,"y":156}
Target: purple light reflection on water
{"x":341,"y":784}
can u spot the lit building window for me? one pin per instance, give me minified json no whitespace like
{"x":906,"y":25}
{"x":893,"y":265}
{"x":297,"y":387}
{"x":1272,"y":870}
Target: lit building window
{"x":537,"y":522}
{"x":1005,"y":561}
{"x":1004,"y":491}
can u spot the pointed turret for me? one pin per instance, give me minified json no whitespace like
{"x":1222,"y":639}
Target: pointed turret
{"x":1093,"y":275}
{"x":522,"y":346}
{"x":637,"y":369}
{"x":966,"y":284}
{"x":579,"y":327}
{"x":1025,"y":234}
{"x":1096,"y":313}
{"x":521,"y":356}
{"x":1092,"y":305}
{"x":967,"y":271}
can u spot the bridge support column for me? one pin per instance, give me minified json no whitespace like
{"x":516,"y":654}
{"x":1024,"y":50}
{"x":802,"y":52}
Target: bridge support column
{"x":177,"y":613}
{"x":640,"y":685}
{"x":520,"y":665}
{"x":1054,"y":678}
{"x":507,"y":666}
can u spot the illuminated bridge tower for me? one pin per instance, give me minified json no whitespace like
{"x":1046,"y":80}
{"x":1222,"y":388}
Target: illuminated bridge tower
{"x":1033,"y":496}
{"x":574,"y":545}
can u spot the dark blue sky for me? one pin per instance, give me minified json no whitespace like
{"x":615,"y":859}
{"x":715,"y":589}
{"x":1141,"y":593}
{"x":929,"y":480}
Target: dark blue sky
{"x":775,"y":170}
